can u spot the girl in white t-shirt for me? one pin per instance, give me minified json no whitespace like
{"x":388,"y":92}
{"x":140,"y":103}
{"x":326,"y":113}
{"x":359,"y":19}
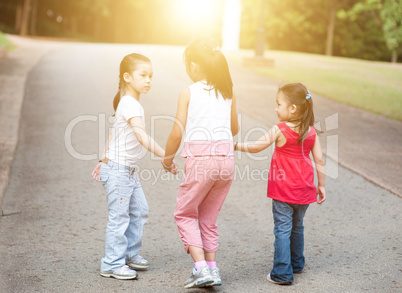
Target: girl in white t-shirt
{"x":207,"y":112}
{"x":127,"y":205}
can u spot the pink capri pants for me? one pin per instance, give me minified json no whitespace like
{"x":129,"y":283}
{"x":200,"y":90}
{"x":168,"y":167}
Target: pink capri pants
{"x":206,"y":182}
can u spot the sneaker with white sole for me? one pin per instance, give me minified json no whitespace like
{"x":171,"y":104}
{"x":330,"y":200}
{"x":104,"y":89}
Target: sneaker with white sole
{"x":122,"y":273}
{"x":278,"y":282}
{"x":199,"y":278}
{"x":216,"y":276}
{"x":139,"y":263}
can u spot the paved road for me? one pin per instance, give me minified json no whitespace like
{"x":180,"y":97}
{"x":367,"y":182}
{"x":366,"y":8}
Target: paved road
{"x":55,"y":241}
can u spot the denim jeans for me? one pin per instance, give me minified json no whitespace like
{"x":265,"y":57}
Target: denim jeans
{"x":289,"y":239}
{"x":128,"y":212}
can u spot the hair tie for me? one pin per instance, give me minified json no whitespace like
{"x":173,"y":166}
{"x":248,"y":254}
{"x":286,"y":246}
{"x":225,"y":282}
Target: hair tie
{"x":308,"y":95}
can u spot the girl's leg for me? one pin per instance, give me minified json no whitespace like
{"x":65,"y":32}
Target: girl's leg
{"x":118,"y":190}
{"x":209,"y":211}
{"x":283,"y":220}
{"x":194,"y":187}
{"x":297,"y":238}
{"x":192,"y":192}
{"x":211,"y":205}
{"x":138,"y":217}
{"x":210,"y":256}
{"x":208,"y":214}
{"x":196,"y":253}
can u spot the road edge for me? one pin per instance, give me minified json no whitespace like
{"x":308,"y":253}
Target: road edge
{"x":12,"y":92}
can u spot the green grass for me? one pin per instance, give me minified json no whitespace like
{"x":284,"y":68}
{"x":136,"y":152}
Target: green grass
{"x":4,"y":42}
{"x":373,"y":86}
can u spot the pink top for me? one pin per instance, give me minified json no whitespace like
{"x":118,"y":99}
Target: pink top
{"x":291,"y":175}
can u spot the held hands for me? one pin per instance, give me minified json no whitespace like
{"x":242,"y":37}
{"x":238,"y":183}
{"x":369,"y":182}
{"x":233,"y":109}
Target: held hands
{"x":95,"y":172}
{"x":170,"y":167}
{"x":321,"y":194}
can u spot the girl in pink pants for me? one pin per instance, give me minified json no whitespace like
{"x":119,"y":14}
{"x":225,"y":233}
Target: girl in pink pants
{"x":207,"y":115}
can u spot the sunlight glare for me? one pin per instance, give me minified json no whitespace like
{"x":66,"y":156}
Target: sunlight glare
{"x":196,"y":10}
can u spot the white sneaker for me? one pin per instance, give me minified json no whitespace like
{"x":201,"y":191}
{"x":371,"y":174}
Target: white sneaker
{"x":138,"y":263}
{"x":216,"y":276}
{"x":199,"y":278}
{"x":122,"y":273}
{"x":278,"y":282}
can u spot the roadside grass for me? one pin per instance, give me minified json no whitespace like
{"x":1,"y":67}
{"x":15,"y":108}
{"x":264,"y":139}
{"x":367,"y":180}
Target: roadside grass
{"x":369,"y":85}
{"x":4,"y":42}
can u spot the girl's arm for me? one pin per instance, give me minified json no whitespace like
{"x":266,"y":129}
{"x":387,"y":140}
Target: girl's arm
{"x":95,"y":172}
{"x":147,"y":142}
{"x":261,"y":144}
{"x":174,"y":140}
{"x":320,"y":167}
{"x":234,"y":123}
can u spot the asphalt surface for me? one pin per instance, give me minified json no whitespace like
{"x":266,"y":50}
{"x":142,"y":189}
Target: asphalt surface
{"x":52,"y":231}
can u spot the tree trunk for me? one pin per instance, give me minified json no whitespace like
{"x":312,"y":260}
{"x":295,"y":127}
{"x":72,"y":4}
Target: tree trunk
{"x":394,"y":57}
{"x":330,"y":29}
{"x":25,"y":17}
{"x":260,"y":41}
{"x":34,"y":17}
{"x":18,"y":18}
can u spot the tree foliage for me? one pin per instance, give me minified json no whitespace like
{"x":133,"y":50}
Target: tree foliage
{"x":387,"y":15}
{"x":368,"y":29}
{"x":303,"y":26}
{"x":391,"y":14}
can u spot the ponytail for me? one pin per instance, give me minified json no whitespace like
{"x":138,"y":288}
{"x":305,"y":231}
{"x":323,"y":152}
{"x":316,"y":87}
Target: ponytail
{"x":219,"y":76}
{"x":120,"y":92}
{"x":116,"y":100}
{"x":207,"y":55}
{"x":306,"y":120}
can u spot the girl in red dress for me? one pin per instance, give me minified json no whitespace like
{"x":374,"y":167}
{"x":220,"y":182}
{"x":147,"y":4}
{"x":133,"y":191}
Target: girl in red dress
{"x":291,"y":176}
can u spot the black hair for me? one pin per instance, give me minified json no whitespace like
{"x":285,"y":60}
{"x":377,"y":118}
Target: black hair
{"x":129,"y":65}
{"x":208,"y":56}
{"x":297,"y":94}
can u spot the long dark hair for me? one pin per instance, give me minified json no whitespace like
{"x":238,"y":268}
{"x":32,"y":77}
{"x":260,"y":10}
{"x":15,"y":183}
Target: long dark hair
{"x":129,"y":65}
{"x":297,"y":94}
{"x":208,"y":56}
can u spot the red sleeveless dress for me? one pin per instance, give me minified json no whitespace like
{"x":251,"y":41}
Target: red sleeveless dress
{"x":291,"y":175}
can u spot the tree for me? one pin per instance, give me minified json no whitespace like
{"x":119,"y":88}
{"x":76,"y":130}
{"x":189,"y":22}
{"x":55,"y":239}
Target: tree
{"x":25,"y":17}
{"x":388,"y":15}
{"x":391,"y":14}
{"x":303,"y":25}
{"x":333,"y":7}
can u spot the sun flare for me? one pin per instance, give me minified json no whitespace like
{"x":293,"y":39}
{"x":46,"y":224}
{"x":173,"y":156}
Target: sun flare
{"x":196,"y":10}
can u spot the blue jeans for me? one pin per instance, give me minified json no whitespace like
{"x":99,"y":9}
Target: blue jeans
{"x":289,"y":239}
{"x":128,"y":212}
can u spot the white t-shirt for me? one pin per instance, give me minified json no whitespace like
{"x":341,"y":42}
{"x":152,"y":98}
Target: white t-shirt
{"x":124,"y":147}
